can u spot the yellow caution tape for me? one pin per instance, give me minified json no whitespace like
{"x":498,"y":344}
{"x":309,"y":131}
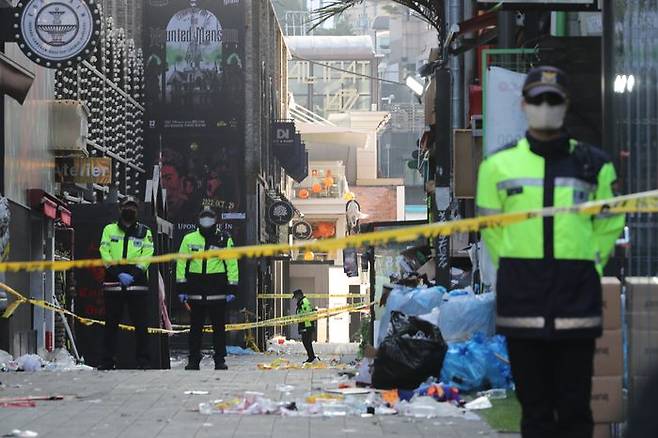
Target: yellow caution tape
{"x":646,"y":202}
{"x":294,"y":319}
{"x":11,"y":308}
{"x":289,"y":296}
{"x":284,"y":320}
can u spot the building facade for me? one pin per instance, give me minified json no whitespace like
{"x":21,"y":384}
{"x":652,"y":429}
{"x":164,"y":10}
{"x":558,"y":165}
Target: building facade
{"x":77,"y":113}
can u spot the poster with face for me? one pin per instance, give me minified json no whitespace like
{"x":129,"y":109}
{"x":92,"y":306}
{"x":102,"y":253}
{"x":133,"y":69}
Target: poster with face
{"x":197,"y":172}
{"x":193,"y":52}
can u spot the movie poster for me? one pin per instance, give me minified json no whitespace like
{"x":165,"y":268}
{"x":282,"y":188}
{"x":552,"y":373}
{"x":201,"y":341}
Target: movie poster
{"x":193,"y":54}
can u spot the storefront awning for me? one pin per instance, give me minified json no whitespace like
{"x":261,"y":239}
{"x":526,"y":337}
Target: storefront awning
{"x":314,"y":133}
{"x":50,"y":206}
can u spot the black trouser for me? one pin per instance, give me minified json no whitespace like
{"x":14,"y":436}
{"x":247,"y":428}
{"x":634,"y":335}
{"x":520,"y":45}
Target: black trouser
{"x":554,"y":385}
{"x":216,"y":311}
{"x":137,"y":303}
{"x":307,"y":340}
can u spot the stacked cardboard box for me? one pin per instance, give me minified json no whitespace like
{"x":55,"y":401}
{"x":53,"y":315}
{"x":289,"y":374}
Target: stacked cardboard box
{"x":607,"y":403}
{"x":642,"y":317}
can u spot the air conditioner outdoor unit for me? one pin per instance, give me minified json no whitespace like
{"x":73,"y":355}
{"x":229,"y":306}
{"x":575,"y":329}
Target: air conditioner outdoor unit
{"x":68,"y":126}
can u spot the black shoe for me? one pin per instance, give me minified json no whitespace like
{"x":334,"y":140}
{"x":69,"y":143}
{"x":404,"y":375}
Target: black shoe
{"x":192,"y":366}
{"x":221,"y":365}
{"x":105,"y":367}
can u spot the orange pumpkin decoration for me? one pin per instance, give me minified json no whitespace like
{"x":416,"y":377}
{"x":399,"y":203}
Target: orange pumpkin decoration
{"x":316,"y":188}
{"x":303,"y":194}
{"x":324,"y":230}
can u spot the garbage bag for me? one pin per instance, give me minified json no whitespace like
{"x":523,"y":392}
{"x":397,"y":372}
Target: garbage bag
{"x":5,"y":359}
{"x":499,"y":371}
{"x":412,"y":302}
{"x":235,"y":350}
{"x":478,"y":364}
{"x":30,"y":362}
{"x":463,"y":314}
{"x":412,"y":351}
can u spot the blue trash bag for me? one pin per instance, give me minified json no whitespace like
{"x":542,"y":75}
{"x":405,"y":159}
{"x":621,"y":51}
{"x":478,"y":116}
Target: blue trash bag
{"x":478,"y":364}
{"x":411,"y":302}
{"x":463,"y":314}
{"x":499,"y":371}
{"x":234,"y":350}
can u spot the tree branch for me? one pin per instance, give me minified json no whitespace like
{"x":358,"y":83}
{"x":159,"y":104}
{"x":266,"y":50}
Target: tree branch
{"x":430,"y":11}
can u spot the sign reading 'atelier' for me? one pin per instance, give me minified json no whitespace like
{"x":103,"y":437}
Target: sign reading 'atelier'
{"x":56,"y":33}
{"x":83,"y":170}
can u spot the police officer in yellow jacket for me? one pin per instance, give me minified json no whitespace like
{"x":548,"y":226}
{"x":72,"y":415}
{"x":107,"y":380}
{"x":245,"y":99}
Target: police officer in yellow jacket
{"x":548,"y":281}
{"x":206,"y":285}
{"x":126,"y":284}
{"x":306,"y":327}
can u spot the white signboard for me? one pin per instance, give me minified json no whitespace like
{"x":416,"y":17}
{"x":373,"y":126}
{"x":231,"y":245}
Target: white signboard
{"x":504,"y":121}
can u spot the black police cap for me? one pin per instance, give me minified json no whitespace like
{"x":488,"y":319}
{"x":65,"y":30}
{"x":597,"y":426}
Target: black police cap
{"x":129,"y":201}
{"x":546,"y":79}
{"x":207,"y":212}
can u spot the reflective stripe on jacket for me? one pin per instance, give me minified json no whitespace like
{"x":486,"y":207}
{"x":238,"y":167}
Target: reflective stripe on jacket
{"x":209,"y":275}
{"x":116,"y":244}
{"x":548,"y":268}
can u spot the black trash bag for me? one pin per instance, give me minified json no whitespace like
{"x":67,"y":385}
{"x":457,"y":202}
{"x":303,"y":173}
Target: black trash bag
{"x":412,"y":351}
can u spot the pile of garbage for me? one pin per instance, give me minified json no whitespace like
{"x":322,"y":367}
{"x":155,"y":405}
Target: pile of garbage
{"x":428,"y":333}
{"x":479,"y":363}
{"x":58,"y":360}
{"x":430,"y":400}
{"x":285,"y":364}
{"x":340,"y":396}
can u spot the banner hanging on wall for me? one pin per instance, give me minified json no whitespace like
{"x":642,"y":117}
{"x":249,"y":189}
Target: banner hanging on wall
{"x":193,"y":56}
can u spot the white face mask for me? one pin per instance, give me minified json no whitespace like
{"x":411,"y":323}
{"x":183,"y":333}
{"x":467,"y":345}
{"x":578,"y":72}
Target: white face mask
{"x":545,"y":116}
{"x":206,"y":222}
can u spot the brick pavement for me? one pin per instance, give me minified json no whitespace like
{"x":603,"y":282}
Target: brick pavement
{"x":144,"y":404}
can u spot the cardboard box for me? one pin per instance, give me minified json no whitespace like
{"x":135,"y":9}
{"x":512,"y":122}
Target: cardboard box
{"x":466,"y":156}
{"x":636,"y":388}
{"x":643,"y":321}
{"x":642,"y":352}
{"x":602,"y":430}
{"x":608,"y":357}
{"x":611,"y":303}
{"x":607,"y":403}
{"x":642,"y":294}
